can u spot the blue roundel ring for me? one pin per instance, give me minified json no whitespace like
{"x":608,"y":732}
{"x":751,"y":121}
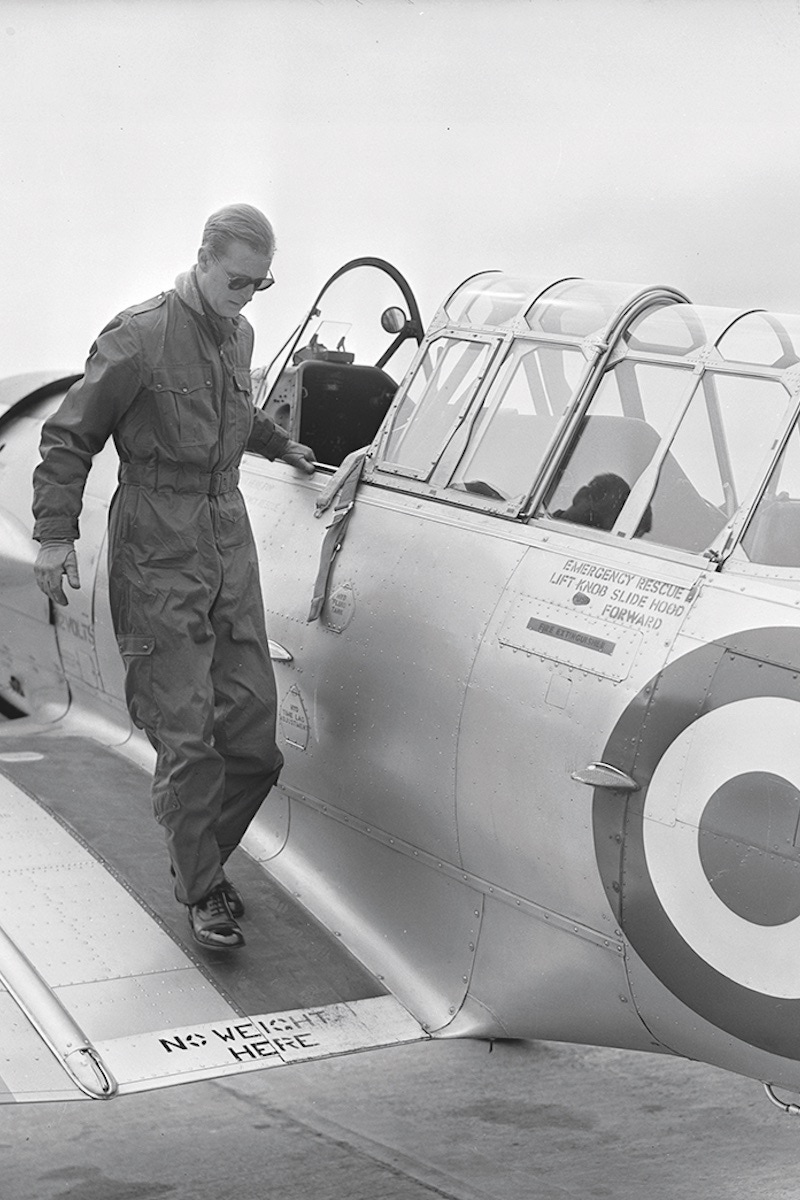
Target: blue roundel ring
{"x":702,"y":865}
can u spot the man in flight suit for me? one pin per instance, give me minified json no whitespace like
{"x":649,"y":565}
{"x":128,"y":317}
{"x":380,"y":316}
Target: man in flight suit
{"x":169,"y":380}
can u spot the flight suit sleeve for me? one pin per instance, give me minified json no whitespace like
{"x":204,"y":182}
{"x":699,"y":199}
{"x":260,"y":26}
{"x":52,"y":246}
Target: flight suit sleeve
{"x":267,"y":438}
{"x":81,"y":426}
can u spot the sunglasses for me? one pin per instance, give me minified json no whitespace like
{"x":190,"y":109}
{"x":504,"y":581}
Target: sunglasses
{"x":237,"y":283}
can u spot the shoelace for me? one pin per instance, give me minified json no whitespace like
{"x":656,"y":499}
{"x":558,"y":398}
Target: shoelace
{"x":215,"y":905}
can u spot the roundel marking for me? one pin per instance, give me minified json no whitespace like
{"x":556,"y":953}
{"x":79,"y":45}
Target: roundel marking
{"x":709,"y":895}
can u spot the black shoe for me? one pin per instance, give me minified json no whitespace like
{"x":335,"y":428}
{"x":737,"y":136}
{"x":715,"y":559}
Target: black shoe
{"x":232,"y":899}
{"x":212,"y":923}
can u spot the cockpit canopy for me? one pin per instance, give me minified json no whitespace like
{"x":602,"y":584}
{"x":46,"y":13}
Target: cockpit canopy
{"x":625,"y":409}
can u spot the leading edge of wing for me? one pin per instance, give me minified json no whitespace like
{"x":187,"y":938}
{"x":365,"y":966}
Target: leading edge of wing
{"x":122,"y":1006}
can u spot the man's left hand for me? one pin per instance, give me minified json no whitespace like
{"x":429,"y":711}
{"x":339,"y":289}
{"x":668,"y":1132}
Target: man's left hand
{"x":300,"y":456}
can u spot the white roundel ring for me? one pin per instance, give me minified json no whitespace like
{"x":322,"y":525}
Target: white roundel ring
{"x":761,"y":734}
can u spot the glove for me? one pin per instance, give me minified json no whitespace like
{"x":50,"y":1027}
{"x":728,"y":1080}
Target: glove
{"x":54,"y":560}
{"x":300,"y":456}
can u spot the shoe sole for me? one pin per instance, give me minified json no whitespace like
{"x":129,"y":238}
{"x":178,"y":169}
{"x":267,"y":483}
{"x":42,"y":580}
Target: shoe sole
{"x":218,"y":945}
{"x":212,"y":945}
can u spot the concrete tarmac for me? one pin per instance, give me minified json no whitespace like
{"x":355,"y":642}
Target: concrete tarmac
{"x":528,"y":1121}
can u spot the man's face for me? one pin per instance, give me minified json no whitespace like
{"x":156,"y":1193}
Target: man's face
{"x":239,"y":264}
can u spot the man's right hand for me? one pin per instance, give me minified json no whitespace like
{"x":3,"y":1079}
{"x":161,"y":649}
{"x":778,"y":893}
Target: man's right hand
{"x":54,"y":560}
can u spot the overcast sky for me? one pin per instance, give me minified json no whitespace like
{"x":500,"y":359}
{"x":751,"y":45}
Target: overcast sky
{"x":651,"y":141}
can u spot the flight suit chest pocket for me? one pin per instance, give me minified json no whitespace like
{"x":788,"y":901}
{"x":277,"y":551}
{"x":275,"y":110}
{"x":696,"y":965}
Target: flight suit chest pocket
{"x":186,"y":413}
{"x":243,"y":381}
{"x":243,"y":389}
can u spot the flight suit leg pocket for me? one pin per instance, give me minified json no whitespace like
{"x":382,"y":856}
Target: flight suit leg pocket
{"x":165,"y":801}
{"x":233,"y":526}
{"x":137,"y":655}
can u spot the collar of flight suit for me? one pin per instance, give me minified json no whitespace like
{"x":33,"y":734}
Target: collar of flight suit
{"x":189,"y":292}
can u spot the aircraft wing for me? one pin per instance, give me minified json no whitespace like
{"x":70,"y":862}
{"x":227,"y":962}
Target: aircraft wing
{"x":102,"y":991}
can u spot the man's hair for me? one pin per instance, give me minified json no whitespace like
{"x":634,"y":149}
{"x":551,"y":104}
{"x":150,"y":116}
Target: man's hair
{"x":238,"y":223}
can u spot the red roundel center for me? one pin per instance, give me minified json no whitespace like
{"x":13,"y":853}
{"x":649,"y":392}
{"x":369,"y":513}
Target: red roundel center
{"x":748,"y":843}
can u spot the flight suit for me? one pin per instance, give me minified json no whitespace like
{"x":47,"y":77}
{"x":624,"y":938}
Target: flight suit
{"x":170,"y":382}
